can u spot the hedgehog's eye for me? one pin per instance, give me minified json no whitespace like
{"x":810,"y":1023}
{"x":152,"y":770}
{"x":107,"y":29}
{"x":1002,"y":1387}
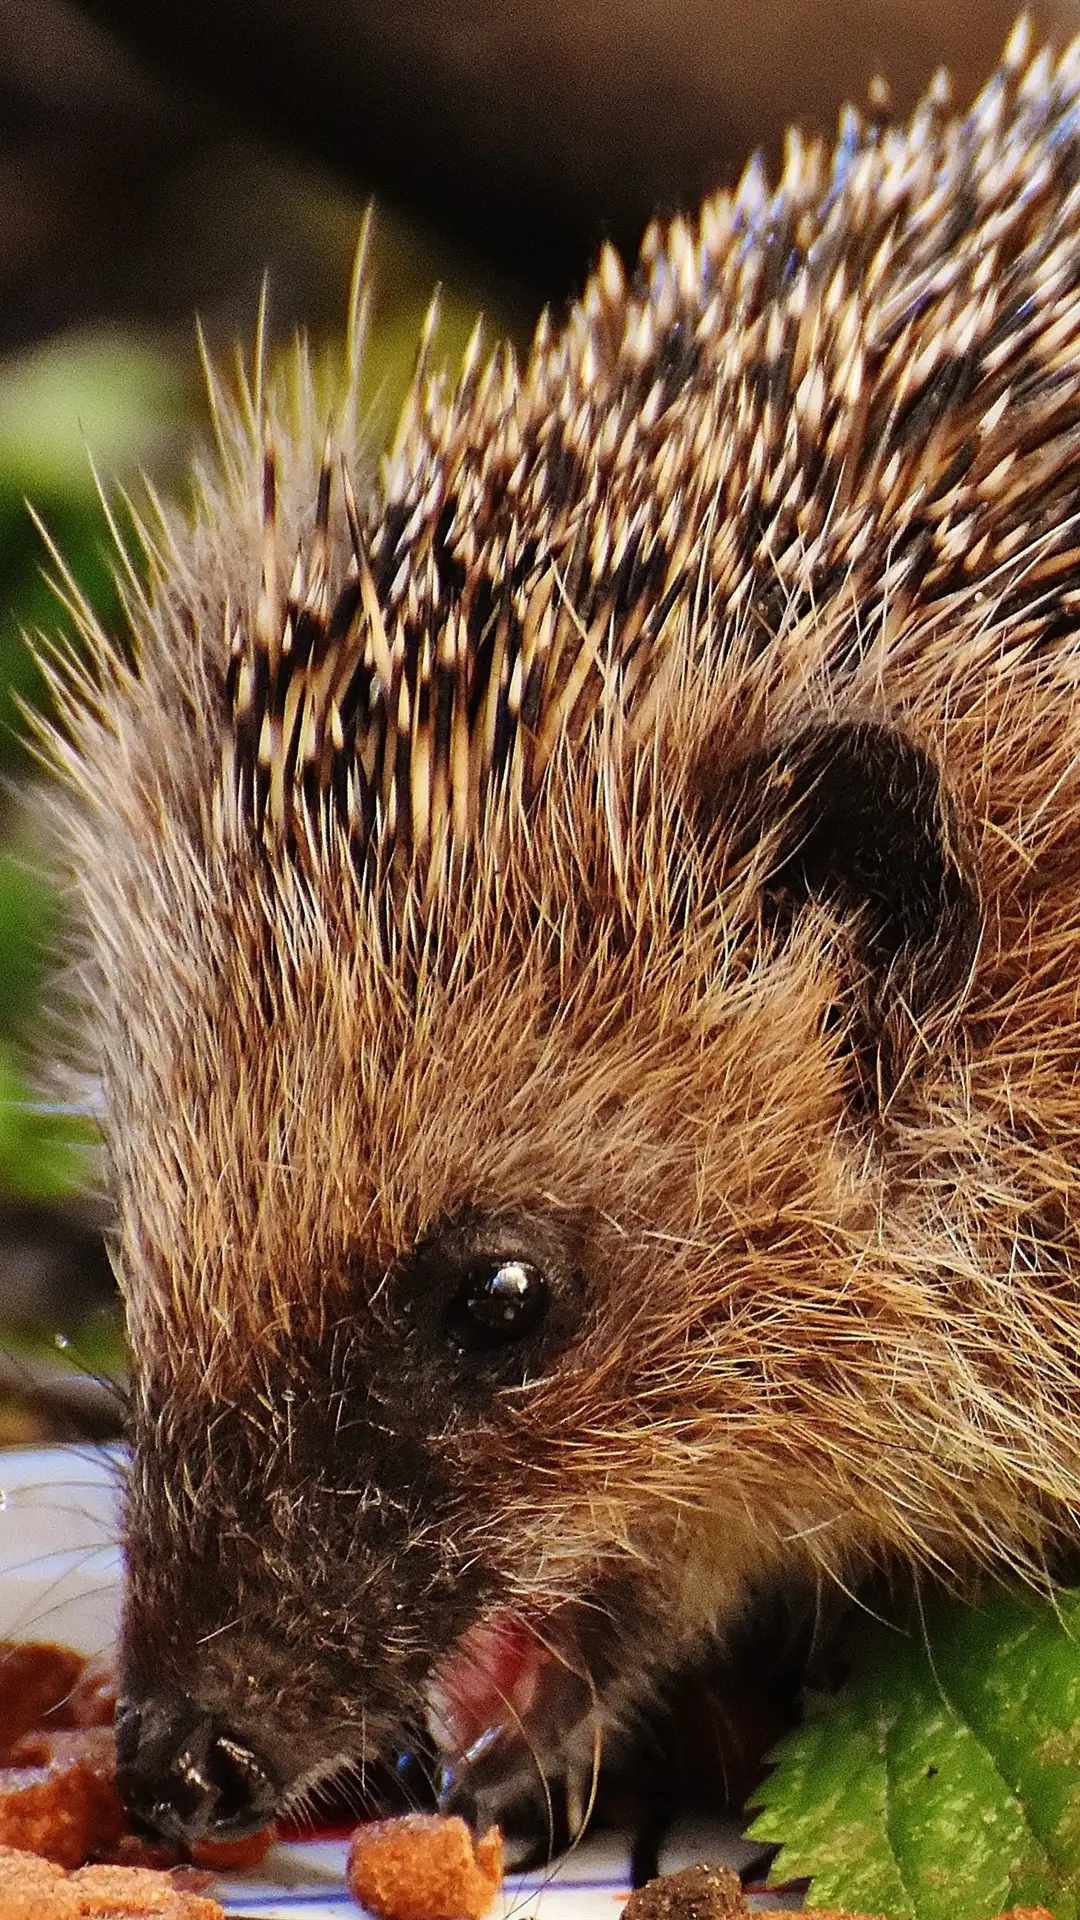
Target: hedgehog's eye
{"x":497,"y":1301}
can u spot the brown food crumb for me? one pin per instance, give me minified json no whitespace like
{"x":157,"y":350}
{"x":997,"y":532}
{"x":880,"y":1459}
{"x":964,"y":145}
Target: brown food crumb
{"x":696,"y":1893}
{"x":65,"y":1811}
{"x":138,"y":1892}
{"x":36,"y":1889}
{"x":92,"y":1700}
{"x":36,"y":1678}
{"x":234,"y":1856}
{"x":424,"y":1867}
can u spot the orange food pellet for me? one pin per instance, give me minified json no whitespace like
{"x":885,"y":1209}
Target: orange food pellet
{"x":36,"y":1678}
{"x":137,"y":1893}
{"x":36,"y":1889}
{"x":92,"y":1700}
{"x":63,"y":1812}
{"x":233,"y":1856}
{"x":131,"y":1850}
{"x":424,"y":1867}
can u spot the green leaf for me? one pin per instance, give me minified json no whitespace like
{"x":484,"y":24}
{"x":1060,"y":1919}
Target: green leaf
{"x":828,"y":1802}
{"x":112,"y":399}
{"x":44,"y":1153}
{"x":943,"y":1782}
{"x":28,"y":913}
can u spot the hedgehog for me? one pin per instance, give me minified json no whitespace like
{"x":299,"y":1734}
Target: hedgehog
{"x":581,"y":929}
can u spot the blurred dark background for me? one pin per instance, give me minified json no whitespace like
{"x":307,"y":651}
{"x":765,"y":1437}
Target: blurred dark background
{"x":155,"y":162}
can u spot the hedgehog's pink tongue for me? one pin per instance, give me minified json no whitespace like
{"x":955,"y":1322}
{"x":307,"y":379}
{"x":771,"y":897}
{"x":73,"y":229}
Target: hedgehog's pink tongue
{"x":508,"y":1697}
{"x":504,"y":1709}
{"x":490,"y":1683}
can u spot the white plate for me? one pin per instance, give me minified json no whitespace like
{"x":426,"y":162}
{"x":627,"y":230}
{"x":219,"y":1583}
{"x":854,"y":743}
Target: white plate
{"x":60,"y":1579}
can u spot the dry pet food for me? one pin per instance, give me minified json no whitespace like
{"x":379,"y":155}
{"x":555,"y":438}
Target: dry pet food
{"x":425,"y":1867}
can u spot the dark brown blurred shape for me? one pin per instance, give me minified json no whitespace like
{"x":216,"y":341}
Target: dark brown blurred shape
{"x":85,"y":150}
{"x":533,"y":129}
{"x":150,"y":180}
{"x":124,"y":196}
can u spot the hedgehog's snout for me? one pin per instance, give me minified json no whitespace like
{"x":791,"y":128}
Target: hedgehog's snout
{"x":186,"y":1775}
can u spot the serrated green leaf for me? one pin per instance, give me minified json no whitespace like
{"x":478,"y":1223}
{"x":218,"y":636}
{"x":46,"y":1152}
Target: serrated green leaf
{"x":1020,"y":1692}
{"x":943,"y":1783}
{"x":828,"y":1802}
{"x":959,"y":1832}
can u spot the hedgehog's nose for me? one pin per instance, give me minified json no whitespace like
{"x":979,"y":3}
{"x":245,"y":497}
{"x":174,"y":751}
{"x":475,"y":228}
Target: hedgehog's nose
{"x":186,"y":1776}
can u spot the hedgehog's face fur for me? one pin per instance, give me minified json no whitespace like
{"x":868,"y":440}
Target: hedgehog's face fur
{"x":585,"y":978}
{"x":339,"y":1465}
{"x":648,"y":1110}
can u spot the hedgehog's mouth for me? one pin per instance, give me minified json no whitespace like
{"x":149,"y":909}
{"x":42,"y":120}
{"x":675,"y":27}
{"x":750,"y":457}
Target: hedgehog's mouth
{"x":490,"y":1682}
{"x":504,"y":1710}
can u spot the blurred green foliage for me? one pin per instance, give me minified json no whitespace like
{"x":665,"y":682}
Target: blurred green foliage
{"x":124,"y":401}
{"x":42,"y":1147}
{"x":113,"y":399}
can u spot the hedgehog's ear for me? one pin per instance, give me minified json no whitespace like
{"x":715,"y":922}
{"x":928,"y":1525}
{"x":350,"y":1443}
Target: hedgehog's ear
{"x":860,"y":821}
